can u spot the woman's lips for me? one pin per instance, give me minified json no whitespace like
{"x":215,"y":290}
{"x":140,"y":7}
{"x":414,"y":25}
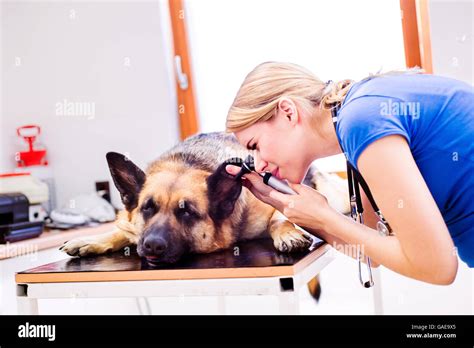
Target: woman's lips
{"x":276,"y":173}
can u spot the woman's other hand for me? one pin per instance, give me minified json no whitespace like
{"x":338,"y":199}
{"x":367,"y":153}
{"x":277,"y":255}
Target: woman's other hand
{"x":307,"y":208}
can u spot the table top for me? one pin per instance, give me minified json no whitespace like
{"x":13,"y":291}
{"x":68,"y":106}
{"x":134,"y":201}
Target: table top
{"x":256,"y":258}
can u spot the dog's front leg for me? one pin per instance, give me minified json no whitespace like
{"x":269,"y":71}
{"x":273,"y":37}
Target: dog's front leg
{"x":96,"y":245}
{"x":286,"y":237}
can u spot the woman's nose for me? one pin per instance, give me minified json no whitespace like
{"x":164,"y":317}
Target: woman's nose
{"x":260,"y":164}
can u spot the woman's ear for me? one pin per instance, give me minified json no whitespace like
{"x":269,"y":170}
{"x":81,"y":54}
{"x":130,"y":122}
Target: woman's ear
{"x":287,"y":108}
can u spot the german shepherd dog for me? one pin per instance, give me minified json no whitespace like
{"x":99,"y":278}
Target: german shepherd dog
{"x":186,"y":202}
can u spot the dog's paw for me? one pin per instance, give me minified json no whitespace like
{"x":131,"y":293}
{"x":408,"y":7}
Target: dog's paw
{"x":291,"y":240}
{"x":84,"y":247}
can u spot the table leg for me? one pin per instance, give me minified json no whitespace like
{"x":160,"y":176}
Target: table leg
{"x":288,"y":303}
{"x":221,"y":305}
{"x":143,"y":305}
{"x":378,"y":296}
{"x":27,"y":306}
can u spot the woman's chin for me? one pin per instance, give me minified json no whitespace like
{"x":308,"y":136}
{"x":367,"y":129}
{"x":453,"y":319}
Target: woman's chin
{"x":293,"y":177}
{"x":300,"y":177}
{"x":296,"y":179}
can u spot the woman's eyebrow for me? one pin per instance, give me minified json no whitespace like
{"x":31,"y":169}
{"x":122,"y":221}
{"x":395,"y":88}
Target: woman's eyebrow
{"x":248,"y":144}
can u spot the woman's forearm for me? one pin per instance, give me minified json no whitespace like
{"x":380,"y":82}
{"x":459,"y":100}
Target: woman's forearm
{"x":383,"y":250}
{"x":340,"y":245}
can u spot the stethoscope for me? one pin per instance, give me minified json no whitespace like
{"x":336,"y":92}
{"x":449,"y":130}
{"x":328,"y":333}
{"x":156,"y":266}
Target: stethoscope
{"x":354,"y":179}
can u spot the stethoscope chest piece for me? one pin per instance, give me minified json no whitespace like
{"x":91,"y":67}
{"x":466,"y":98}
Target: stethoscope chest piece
{"x":382,"y":228}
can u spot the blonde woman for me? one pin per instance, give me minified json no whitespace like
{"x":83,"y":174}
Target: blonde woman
{"x":409,"y":135}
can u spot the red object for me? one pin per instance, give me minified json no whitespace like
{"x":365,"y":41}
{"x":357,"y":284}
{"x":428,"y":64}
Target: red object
{"x":7,"y":175}
{"x":31,"y":157}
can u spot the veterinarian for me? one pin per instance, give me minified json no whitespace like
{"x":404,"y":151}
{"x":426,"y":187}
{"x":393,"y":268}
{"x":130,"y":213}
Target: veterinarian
{"x":410,"y":136}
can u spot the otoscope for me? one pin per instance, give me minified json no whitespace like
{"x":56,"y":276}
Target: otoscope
{"x":279,"y":185}
{"x":268,"y":179}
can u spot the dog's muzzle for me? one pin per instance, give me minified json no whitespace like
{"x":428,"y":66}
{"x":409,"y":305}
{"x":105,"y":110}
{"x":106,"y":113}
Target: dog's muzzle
{"x":158,"y":246}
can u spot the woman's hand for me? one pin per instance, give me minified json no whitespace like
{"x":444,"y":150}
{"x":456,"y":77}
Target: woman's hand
{"x":307,"y":208}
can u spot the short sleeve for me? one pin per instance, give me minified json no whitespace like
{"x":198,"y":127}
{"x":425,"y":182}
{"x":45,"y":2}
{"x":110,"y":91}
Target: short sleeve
{"x":366,"y":119}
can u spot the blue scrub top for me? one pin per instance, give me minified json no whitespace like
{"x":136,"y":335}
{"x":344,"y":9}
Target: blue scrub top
{"x":436,"y":116}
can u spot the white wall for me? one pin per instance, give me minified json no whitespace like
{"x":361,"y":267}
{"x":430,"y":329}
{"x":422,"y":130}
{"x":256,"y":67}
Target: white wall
{"x":111,"y":55}
{"x":335,"y":39}
{"x":452,"y":34}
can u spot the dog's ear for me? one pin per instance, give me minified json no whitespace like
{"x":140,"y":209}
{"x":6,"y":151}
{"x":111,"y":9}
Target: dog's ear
{"x":223,"y":190}
{"x":128,"y":178}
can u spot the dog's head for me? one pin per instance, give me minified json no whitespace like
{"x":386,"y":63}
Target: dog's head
{"x":176,"y":209}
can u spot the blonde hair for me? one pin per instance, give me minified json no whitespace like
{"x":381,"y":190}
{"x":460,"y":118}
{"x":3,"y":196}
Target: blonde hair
{"x":262,"y":89}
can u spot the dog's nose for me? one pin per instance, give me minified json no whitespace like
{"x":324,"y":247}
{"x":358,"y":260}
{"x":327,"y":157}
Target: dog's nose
{"x":154,"y":245}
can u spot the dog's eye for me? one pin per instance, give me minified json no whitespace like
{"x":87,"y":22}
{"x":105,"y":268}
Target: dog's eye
{"x":185,"y":212}
{"x":149,"y":208}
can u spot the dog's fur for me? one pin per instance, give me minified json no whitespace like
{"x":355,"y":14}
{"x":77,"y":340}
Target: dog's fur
{"x":186,"y":202}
